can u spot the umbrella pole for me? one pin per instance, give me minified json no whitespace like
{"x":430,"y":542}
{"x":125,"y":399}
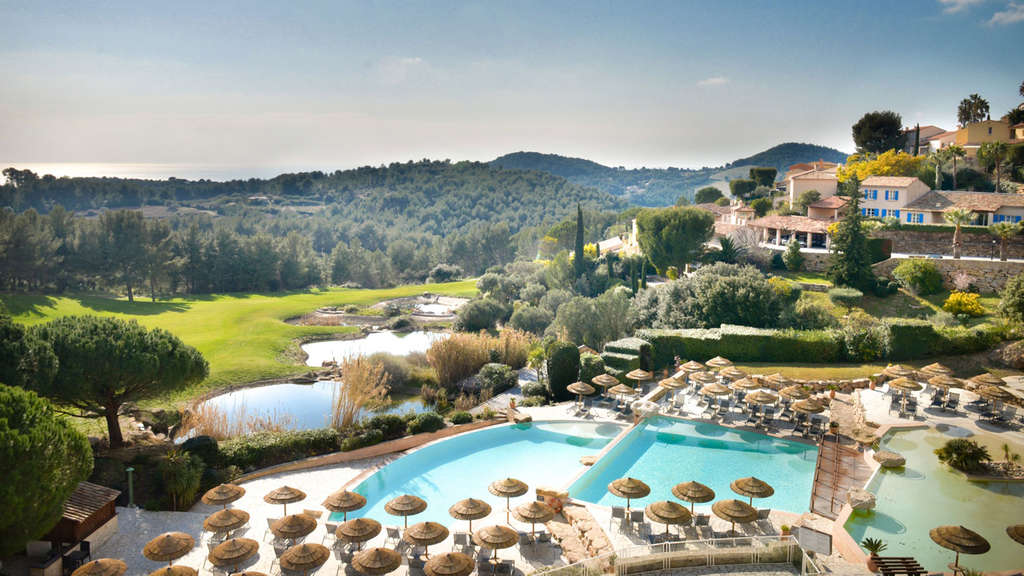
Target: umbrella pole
{"x":508,"y":506}
{"x":956,"y":563}
{"x":286,"y":509}
{"x":406,"y":522}
{"x":627,"y":504}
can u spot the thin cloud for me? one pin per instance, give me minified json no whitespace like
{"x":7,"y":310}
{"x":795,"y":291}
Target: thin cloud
{"x":713,"y":81}
{"x":1014,"y":13}
{"x":955,"y":6}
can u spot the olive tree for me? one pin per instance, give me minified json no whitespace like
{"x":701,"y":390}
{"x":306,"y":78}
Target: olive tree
{"x":674,"y":236}
{"x":104,"y":362}
{"x":42,"y":458}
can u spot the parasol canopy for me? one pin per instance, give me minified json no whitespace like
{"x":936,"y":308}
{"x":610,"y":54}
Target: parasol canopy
{"x":496,"y":537}
{"x":293,"y":526}
{"x":226,"y":520}
{"x":176,"y":570}
{"x":231,"y":553}
{"x":470,"y":509}
{"x":667,"y":512}
{"x":376,"y":561}
{"x":449,"y":564}
{"x":732,"y":373}
{"x":808,"y":406}
{"x":622,"y":389}
{"x":581,"y":388}
{"x":734,"y":511}
{"x":703,"y":377}
{"x":533,"y":512}
{"x":745,"y":384}
{"x":344,"y":501}
{"x":936,"y":369}
{"x":987,"y":378}
{"x":778,"y":380}
{"x":693,"y":492}
{"x":304,"y":557}
{"x":943,"y":381}
{"x":639,"y":375}
{"x":424,"y":534}
{"x":959,"y":540}
{"x":905,"y":384}
{"x":284,"y":495}
{"x":168,"y":546}
{"x":357,"y":530}
{"x":760,"y":397}
{"x":671,"y":384}
{"x":508,"y":489}
{"x":718,"y":362}
{"x":628,"y":488}
{"x":714,"y":389}
{"x":692,"y":366}
{"x":994,"y":393}
{"x":605,"y":380}
{"x":1016,"y":532}
{"x":102,"y":567}
{"x":898,"y":371}
{"x":223,"y":494}
{"x":795,"y":392}
{"x":752,"y":487}
{"x":405,"y":505}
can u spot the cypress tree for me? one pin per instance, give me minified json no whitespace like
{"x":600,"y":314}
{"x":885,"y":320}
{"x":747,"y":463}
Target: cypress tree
{"x":917,"y":141}
{"x":643,"y":274}
{"x":850,"y":261}
{"x":578,"y":265}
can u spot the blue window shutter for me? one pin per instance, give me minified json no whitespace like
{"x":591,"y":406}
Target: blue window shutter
{"x":895,"y":194}
{"x":896,"y":213}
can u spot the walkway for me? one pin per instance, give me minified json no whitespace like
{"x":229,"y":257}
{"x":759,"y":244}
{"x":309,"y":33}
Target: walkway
{"x":840,"y":469}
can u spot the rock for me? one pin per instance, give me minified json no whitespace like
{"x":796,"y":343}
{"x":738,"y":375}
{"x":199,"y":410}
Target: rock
{"x":861,"y":382}
{"x":588,"y":460}
{"x":1012,"y":355}
{"x":889,"y":459}
{"x":861,"y":499}
{"x":547,"y":492}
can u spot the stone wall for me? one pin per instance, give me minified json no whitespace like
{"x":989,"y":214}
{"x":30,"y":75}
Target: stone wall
{"x":988,"y":275}
{"x":941,"y":242}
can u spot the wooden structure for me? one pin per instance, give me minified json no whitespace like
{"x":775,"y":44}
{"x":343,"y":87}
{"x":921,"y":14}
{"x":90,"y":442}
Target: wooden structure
{"x":899,"y":565}
{"x":89,"y":507}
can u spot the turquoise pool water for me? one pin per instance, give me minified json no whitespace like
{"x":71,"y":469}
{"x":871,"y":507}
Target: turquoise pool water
{"x":665,"y":451}
{"x":443,"y":473}
{"x":926,"y":494}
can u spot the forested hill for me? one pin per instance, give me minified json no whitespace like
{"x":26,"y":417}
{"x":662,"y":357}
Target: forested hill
{"x":429,"y":196}
{"x":660,"y":186}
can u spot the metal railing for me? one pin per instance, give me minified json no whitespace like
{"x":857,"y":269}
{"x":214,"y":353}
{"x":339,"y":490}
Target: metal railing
{"x":673,"y":556}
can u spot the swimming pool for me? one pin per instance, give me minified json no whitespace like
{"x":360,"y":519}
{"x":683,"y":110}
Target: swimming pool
{"x":546,"y":454}
{"x":926,"y":494}
{"x":666,"y":451}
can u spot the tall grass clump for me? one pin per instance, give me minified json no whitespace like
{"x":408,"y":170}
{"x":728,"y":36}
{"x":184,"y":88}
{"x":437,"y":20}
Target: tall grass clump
{"x":205,"y":419}
{"x":463,"y":355}
{"x":365,"y":383}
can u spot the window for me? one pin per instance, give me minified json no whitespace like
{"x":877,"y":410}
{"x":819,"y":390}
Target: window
{"x":990,"y":130}
{"x":886,"y":194}
{"x":874,"y":194}
{"x":863,"y":211}
{"x":895,"y":195}
{"x":997,"y":218}
{"x":920,"y":218}
{"x":867,"y":194}
{"x":896,"y":214}
{"x":910,"y":217}
{"x":883,"y":212}
{"x":874,"y":211}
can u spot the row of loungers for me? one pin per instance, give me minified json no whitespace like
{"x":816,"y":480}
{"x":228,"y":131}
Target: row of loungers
{"x":635,"y":520}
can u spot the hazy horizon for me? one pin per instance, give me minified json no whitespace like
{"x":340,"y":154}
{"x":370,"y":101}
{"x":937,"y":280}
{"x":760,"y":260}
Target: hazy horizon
{"x":264,"y":87}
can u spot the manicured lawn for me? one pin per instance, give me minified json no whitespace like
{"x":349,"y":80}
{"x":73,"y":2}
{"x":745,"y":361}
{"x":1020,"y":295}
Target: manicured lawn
{"x":243,"y":336}
{"x":805,"y":277}
{"x":902,"y":305}
{"x":962,"y":366}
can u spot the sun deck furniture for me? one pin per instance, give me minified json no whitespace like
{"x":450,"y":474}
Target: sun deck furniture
{"x":270,"y":523}
{"x":953,"y":402}
{"x":899,"y":565}
{"x":392,"y":534}
{"x":617,"y":512}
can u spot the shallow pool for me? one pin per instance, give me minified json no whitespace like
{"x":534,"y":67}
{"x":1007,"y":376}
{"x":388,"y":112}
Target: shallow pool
{"x":298,"y":406}
{"x":926,"y":494}
{"x":399,"y":344}
{"x":443,"y":473}
{"x":665,"y":451}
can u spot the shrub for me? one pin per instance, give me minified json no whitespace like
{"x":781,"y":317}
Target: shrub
{"x":911,"y":338}
{"x":792,"y":258}
{"x":963,"y":303}
{"x":963,"y":454}
{"x":778,"y":263}
{"x":864,"y":338}
{"x":590,"y":365}
{"x":1011,"y":302}
{"x":532,"y":293}
{"x":740,"y":343}
{"x":496,"y":377}
{"x":426,"y":422}
{"x":808,"y":315}
{"x":263,"y":449}
{"x":181,"y":473}
{"x":481,"y":314}
{"x":391,"y":425}
{"x":205,"y":447}
{"x":531,"y":401}
{"x":445,"y":273}
{"x":529,"y":318}
{"x":461,"y":417}
{"x":919,"y":275}
{"x":367,"y":437}
{"x":458,"y":357}
{"x":535,"y":389}
{"x":396,"y":367}
{"x":563,"y":367}
{"x":848,"y":297}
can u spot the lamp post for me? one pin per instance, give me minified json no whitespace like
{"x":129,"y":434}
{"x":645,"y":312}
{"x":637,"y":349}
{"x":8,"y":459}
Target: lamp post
{"x":992,"y":253}
{"x":131,"y":491}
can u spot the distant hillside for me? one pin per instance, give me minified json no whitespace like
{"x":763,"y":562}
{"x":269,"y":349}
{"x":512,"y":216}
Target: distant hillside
{"x":784,"y":155}
{"x":661,"y":186}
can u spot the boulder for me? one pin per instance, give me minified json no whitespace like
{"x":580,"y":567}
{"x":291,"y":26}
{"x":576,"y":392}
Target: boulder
{"x":548,"y":492}
{"x":861,"y":499}
{"x":588,"y":460}
{"x":889,"y":459}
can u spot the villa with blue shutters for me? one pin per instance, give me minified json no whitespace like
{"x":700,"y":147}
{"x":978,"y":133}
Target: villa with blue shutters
{"x":911,"y":201}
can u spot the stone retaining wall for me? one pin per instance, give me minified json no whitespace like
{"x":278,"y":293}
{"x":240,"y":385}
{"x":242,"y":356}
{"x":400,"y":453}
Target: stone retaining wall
{"x":988,"y":275}
{"x":973,"y":243}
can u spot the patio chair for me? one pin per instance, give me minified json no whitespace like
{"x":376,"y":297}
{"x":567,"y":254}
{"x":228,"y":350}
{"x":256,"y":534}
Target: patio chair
{"x":937,"y":401}
{"x":331,"y":534}
{"x":636,"y":519}
{"x":507,"y":566}
{"x":524,"y":539}
{"x":617,"y":512}
{"x":544,"y":537}
{"x":270,"y":522}
{"x":393,"y":534}
{"x":315,"y":514}
{"x":762,"y":515}
{"x":461,"y":541}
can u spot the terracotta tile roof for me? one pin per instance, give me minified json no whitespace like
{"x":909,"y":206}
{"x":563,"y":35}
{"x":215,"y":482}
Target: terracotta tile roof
{"x":823,"y":174}
{"x":831,"y":202}
{"x":87,"y":499}
{"x":793,"y":223}
{"x":714,"y":208}
{"x":941,"y":200}
{"x":897,"y":181}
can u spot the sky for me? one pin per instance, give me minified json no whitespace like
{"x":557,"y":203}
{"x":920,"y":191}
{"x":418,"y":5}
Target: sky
{"x":254,"y":86}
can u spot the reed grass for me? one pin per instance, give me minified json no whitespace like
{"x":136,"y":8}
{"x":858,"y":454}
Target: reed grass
{"x":365,"y":384}
{"x":205,"y":419}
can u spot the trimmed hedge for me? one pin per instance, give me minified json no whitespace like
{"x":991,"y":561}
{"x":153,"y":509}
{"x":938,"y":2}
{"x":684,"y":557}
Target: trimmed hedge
{"x":563,"y":367}
{"x":621,"y":361}
{"x":631,"y":347}
{"x":426,"y":422}
{"x":262,"y":449}
{"x":911,"y":338}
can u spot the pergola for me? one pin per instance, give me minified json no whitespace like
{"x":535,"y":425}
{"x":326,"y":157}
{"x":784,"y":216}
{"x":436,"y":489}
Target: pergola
{"x":774,"y":227}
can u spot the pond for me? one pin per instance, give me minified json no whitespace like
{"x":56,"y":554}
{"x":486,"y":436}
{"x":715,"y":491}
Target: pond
{"x":299,"y":406}
{"x":399,"y":344}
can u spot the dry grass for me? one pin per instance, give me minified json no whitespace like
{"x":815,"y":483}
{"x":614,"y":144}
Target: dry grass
{"x":461,"y":356}
{"x":206,"y":419}
{"x":466,"y":402}
{"x":365,"y":384}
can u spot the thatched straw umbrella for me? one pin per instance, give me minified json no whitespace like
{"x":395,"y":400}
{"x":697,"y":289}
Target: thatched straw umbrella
{"x":671,"y":385}
{"x":703,"y":378}
{"x":376,"y":561}
{"x":449,"y":564}
{"x":344,"y":501}
{"x":225,"y":520}
{"x":168,"y":547}
{"x":734,"y":511}
{"x":732,"y":373}
{"x":628,"y":488}
{"x":231,"y":553}
{"x":905,"y":385}
{"x":718,"y":362}
{"x":639,"y":375}
{"x":622,"y":390}
{"x":293,"y":526}
{"x":1016,"y":532}
{"x":223,"y":495}
{"x":959,"y":539}
{"x":935,"y":369}
{"x":495,"y":538}
{"x":605,"y":380}
{"x":752,"y":488}
{"x":994,"y":393}
{"x":357,"y":530}
{"x":102,"y":567}
{"x":304,"y":557}
{"x":778,"y":381}
{"x":808,"y":406}
{"x":667,"y":512}
{"x":470,"y":509}
{"x":249,"y":573}
{"x":581,"y":389}
{"x":897,"y":371}
{"x":405,"y":505}
{"x":987,"y":379}
{"x":508,"y":489}
{"x":715,"y":389}
{"x":693,"y":492}
{"x":745,"y":384}
{"x":692,"y":366}
{"x":424,"y":534}
{"x":177,"y":570}
{"x":760,"y":397}
{"x":533,"y":512}
{"x":284,"y":495}
{"x":795,"y":392}
{"x":944,"y":381}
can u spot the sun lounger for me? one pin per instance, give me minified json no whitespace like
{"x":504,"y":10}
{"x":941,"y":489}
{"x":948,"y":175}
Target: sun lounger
{"x":392,"y":534}
{"x":270,"y":522}
{"x":461,"y":541}
{"x":618,"y":512}
{"x":953,"y":403}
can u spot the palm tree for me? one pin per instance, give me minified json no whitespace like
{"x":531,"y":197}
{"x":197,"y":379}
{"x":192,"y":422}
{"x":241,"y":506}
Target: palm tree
{"x":955,"y":151}
{"x":1004,"y":231}
{"x":994,"y":154}
{"x":731,"y":252}
{"x":939,"y":157}
{"x":958,"y":217}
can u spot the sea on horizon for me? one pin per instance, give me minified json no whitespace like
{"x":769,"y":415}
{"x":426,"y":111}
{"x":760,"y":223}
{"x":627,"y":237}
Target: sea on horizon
{"x":160,"y":171}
